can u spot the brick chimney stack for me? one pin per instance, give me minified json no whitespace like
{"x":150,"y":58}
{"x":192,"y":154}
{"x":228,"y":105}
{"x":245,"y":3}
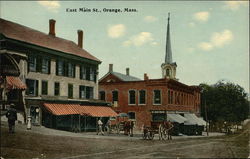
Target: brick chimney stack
{"x":110,"y":67}
{"x":127,"y":71}
{"x":80,"y":38}
{"x":52,"y":23}
{"x":145,"y":77}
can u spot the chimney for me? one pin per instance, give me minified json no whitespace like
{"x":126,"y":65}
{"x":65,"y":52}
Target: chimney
{"x":127,"y":71}
{"x":145,"y":77}
{"x":110,"y":67}
{"x":52,"y":23}
{"x":80,"y":38}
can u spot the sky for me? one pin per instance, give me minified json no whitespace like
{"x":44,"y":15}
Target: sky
{"x":209,"y":39}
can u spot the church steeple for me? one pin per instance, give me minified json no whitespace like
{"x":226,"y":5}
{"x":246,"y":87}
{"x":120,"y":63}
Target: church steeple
{"x":168,"y":67}
{"x":168,"y":56}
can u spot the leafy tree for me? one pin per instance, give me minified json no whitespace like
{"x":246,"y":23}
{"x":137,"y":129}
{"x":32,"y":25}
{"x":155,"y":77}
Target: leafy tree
{"x":224,"y":101}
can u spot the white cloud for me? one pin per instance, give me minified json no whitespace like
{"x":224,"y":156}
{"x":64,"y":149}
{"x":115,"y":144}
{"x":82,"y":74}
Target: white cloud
{"x":201,"y":16}
{"x":140,"y":39}
{"x":116,"y":31}
{"x":191,"y":49}
{"x":154,"y":43}
{"x":220,"y":39}
{"x":205,"y":46}
{"x":50,"y":5}
{"x":235,"y":5}
{"x":217,"y":40}
{"x":150,"y":19}
{"x":191,"y":24}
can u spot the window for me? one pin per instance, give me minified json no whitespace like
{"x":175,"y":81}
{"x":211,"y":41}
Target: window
{"x":70,"y":90}
{"x":83,"y":72}
{"x":142,"y":97}
{"x":82,"y":92}
{"x":57,"y":88}
{"x":131,"y":97}
{"x":158,"y":116}
{"x":44,"y":87}
{"x":45,"y":65}
{"x":32,"y":87}
{"x":87,"y":73}
{"x":92,"y":74}
{"x":157,"y":97}
{"x":131,"y":115}
{"x":59,"y":68}
{"x":168,"y":72}
{"x":115,"y":96}
{"x":89,"y":92}
{"x":102,"y":95}
{"x":71,"y":70}
{"x":32,"y":63}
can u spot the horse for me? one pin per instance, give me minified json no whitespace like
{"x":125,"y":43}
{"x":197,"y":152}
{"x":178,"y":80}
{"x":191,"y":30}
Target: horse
{"x":128,"y":128}
{"x":165,"y":130}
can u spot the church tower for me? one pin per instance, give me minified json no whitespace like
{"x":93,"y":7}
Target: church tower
{"x":169,"y":67}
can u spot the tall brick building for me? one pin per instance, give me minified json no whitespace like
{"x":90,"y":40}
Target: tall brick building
{"x":150,"y":100}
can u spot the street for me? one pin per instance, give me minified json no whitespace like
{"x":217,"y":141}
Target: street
{"x":66,"y":145}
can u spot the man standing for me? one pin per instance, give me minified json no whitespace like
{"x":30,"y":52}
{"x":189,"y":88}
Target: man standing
{"x":99,"y":122}
{"x":12,"y":117}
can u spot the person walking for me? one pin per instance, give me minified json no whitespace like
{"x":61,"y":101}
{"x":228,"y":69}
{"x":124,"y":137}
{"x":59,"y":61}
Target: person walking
{"x":12,"y":117}
{"x":99,"y":123}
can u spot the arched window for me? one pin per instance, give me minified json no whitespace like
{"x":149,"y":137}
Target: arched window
{"x":132,"y":97}
{"x":168,"y":72}
{"x":142,"y":97}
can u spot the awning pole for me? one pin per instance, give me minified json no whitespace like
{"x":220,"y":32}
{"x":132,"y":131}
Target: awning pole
{"x":79,"y":122}
{"x":85,"y":123}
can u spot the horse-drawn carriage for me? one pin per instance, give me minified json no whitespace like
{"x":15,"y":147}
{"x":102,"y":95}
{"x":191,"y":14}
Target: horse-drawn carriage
{"x":163,"y":128}
{"x":120,"y":123}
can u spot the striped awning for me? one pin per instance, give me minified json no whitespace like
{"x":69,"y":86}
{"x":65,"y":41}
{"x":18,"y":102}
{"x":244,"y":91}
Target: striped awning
{"x":14,"y":83}
{"x":69,"y":109}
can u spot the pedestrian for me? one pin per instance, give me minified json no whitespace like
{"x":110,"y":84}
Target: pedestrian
{"x":108,"y":126}
{"x":99,"y":130}
{"x":12,"y":117}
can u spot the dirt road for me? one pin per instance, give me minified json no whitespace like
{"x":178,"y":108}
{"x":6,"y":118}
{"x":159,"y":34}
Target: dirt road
{"x":27,"y":144}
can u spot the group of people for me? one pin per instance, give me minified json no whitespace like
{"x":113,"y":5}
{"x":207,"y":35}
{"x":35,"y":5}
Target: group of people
{"x":100,"y":126}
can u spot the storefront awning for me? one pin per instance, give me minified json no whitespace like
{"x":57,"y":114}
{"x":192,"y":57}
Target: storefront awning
{"x":13,"y":83}
{"x":69,"y":109}
{"x":192,"y":119}
{"x":176,"y":118}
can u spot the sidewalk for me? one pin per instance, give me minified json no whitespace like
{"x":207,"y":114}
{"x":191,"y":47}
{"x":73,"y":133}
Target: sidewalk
{"x":137,"y":134}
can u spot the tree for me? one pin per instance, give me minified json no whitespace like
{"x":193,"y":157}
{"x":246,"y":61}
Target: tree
{"x":225,"y":102}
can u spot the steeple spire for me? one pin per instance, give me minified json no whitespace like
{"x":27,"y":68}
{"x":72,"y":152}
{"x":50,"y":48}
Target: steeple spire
{"x":168,"y":56}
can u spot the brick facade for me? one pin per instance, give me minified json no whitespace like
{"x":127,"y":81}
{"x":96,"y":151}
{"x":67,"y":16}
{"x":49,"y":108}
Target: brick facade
{"x":184,"y":98}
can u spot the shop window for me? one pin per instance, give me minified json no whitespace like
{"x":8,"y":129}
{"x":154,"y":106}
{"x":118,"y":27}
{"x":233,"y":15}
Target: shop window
{"x":158,"y":116}
{"x":131,"y":115}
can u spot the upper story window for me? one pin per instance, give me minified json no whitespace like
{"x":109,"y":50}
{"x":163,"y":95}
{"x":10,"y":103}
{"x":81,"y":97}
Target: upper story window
{"x":57,"y":88}
{"x":89,"y":92}
{"x":71,"y":70}
{"x":142,"y":97}
{"x":45,"y":65}
{"x":102,"y":95}
{"x":32,"y":63}
{"x":157,"y":97}
{"x":82,"y":92}
{"x":32,"y":87}
{"x":44,"y":87}
{"x":131,"y":97}
{"x":70,"y":90}
{"x":115,"y":96}
{"x":60,"y":67}
{"x":38,"y":64}
{"x":83,"y":72}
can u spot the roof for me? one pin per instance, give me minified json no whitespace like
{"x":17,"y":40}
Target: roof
{"x":15,"y":83}
{"x":25,"y":34}
{"x":121,"y":76}
{"x":69,"y":109}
